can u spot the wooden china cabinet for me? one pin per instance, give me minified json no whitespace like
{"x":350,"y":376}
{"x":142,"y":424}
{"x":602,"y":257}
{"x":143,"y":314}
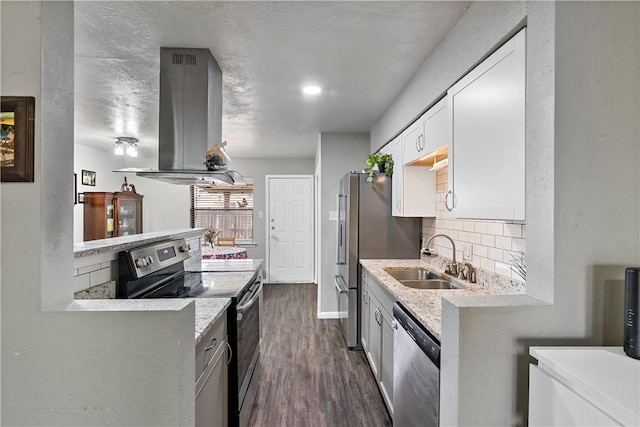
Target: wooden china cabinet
{"x":112,"y":214}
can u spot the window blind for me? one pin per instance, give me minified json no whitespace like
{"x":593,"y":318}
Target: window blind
{"x":225,"y":209}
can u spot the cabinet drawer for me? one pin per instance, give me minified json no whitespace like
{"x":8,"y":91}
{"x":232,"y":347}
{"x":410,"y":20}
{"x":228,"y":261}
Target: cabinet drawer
{"x":385,"y":299}
{"x":210,"y":343}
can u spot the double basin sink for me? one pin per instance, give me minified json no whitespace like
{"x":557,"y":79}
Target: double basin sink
{"x":420,"y":278}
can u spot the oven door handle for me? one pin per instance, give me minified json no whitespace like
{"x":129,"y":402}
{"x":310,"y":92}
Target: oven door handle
{"x":252,"y":300}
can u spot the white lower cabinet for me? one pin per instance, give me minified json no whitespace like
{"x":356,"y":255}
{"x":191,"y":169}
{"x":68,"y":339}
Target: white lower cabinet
{"x":364,"y":315}
{"x":553,"y":404}
{"x":212,"y":377}
{"x":386,"y":359}
{"x":583,"y":386}
{"x":379,"y":337}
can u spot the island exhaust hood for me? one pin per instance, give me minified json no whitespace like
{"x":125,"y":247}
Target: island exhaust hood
{"x":190,"y":119}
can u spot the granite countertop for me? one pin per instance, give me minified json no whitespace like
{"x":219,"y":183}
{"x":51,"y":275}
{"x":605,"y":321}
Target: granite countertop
{"x":222,"y":265}
{"x":208,"y":310}
{"x":116,"y":244}
{"x":424,"y":304}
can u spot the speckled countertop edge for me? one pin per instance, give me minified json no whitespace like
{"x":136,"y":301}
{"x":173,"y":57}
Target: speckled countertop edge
{"x":116,"y":244}
{"x":424,"y":304}
{"x":208,"y":311}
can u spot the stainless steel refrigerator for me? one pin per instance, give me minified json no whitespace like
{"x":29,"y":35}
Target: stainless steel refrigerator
{"x":367,"y":230}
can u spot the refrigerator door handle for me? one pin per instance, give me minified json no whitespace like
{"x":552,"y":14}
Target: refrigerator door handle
{"x":337,"y":280}
{"x":340,"y":238}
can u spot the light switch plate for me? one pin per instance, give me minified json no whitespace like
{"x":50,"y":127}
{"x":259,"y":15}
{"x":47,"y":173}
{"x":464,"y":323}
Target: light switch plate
{"x":333,"y":215}
{"x":260,"y":214}
{"x":466,"y":251}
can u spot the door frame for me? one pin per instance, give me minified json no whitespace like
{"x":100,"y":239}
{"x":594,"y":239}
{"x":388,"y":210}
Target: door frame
{"x":312,"y":231}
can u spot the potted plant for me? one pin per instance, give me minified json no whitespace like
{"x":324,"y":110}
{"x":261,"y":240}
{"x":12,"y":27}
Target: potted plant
{"x":378,"y":162}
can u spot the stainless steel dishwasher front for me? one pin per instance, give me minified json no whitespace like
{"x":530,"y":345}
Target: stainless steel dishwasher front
{"x":416,"y":373}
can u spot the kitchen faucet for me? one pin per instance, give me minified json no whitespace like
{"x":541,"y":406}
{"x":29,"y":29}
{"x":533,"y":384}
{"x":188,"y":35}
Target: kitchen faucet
{"x":452,"y":269}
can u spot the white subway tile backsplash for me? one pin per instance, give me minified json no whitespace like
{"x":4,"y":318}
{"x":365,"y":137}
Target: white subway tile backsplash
{"x":475,"y":238}
{"x":481,"y":227}
{"x":488,"y":240}
{"x":503,"y":242}
{"x":100,"y":276}
{"x":463,"y":236}
{"x":495,"y":254}
{"x":495,"y":228}
{"x":469,"y":226}
{"x":480,"y":250}
{"x":519,"y":245}
{"x":524,"y":234}
{"x":89,"y":268}
{"x":503,"y":269}
{"x":513,"y":230}
{"x":458,"y":225}
{"x":81,"y":282}
{"x":488,"y":264}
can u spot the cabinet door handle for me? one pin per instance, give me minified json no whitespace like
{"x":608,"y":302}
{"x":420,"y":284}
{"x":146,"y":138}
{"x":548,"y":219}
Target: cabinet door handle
{"x":418,"y":144}
{"x":398,"y":205}
{"x":214,"y":343}
{"x":366,"y":297}
{"x":446,"y":201}
{"x":230,"y":352}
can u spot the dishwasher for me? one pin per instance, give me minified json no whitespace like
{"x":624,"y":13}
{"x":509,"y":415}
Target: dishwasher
{"x":416,"y":372}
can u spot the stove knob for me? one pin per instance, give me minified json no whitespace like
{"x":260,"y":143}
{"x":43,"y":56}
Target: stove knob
{"x":184,"y":248}
{"x":149,"y":260}
{"x":140,"y":262}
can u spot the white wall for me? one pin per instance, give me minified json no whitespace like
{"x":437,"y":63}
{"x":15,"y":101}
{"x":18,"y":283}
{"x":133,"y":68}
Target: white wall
{"x":64,"y":363}
{"x":583,"y":192}
{"x":339,"y":154}
{"x":258,"y":169}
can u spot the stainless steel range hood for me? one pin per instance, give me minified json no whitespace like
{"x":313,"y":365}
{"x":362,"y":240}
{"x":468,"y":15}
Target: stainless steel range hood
{"x":190,"y":119}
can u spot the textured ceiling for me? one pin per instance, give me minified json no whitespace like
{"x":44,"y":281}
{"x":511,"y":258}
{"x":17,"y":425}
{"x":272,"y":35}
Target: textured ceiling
{"x":361,"y":53}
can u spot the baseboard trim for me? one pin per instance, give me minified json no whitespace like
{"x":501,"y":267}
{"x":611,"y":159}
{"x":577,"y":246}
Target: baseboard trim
{"x":328,"y":315}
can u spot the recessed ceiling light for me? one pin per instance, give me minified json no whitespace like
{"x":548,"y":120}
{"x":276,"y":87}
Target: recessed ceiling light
{"x":312,"y":90}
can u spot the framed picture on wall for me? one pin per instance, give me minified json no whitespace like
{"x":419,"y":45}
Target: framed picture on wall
{"x":17,"y":120}
{"x":88,"y":178}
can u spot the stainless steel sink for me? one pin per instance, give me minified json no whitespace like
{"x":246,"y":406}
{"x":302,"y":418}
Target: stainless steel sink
{"x":412,"y":274}
{"x":429,"y":284}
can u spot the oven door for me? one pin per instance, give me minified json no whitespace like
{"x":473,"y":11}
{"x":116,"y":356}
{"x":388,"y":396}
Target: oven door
{"x":248,"y":348}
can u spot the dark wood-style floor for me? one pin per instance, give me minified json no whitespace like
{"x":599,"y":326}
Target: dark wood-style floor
{"x":309,"y":377}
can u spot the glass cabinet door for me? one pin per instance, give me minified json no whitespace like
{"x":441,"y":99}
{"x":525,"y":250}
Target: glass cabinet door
{"x":110,"y":218}
{"x":127,"y":217}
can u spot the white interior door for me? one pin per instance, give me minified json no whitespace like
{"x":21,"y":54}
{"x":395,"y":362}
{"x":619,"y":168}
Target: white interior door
{"x":290,"y":229}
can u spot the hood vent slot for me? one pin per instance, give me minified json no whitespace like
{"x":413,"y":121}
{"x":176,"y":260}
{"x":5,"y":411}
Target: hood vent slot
{"x":177,"y":59}
{"x":190,"y":60}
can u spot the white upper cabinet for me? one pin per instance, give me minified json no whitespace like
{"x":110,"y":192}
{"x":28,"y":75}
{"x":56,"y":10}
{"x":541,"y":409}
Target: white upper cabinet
{"x":427,"y":134}
{"x":397,"y":180}
{"x":437,"y":127}
{"x":487,"y":150}
{"x":413,"y":187}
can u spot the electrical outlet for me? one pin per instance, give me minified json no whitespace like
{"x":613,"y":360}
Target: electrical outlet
{"x":466,"y":251}
{"x":260,"y":214}
{"x":333,"y":215}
